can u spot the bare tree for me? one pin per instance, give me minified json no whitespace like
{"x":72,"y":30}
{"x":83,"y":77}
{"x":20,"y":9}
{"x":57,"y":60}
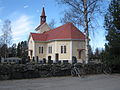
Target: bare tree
{"x":1,"y":43}
{"x":52,"y":24}
{"x":81,"y":12}
{"x":7,"y":33}
{"x":6,"y":36}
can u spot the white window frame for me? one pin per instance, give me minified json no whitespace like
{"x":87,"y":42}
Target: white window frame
{"x":50,"y":49}
{"x":63,"y":49}
{"x":41,"y":49}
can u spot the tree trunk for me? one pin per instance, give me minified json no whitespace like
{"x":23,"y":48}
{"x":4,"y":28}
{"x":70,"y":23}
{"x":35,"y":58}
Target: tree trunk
{"x":86,"y":30}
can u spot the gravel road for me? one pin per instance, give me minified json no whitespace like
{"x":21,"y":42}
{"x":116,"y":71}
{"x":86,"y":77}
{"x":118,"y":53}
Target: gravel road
{"x":92,"y":82}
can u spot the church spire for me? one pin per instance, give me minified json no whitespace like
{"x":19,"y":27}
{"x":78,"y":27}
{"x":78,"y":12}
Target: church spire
{"x":43,"y":17}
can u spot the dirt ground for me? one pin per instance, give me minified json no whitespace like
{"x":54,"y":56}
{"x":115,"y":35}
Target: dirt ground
{"x":92,"y":82}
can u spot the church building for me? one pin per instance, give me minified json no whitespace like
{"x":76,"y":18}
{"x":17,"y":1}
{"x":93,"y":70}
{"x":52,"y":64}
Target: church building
{"x":62,"y":43}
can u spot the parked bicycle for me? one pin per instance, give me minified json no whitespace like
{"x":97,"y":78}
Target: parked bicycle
{"x":78,"y":70}
{"x":107,"y":69}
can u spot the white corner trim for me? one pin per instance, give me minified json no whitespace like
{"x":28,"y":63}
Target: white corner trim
{"x":70,"y":50}
{"x":34,"y":50}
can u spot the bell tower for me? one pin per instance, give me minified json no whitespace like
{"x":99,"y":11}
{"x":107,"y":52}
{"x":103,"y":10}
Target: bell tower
{"x":43,"y":17}
{"x":43,"y":27}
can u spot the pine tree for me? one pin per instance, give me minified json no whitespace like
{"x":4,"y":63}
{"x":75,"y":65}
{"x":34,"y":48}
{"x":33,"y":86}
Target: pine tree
{"x":22,"y":49}
{"x":112,"y":26}
{"x":13,"y":50}
{"x":18,"y":50}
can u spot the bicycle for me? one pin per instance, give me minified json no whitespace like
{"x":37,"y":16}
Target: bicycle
{"x":107,"y":69}
{"x":75,"y":71}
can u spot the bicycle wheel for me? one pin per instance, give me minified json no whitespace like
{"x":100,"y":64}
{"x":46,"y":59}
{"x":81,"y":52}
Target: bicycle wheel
{"x":73,"y":73}
{"x":107,"y":70}
{"x":76,"y":70}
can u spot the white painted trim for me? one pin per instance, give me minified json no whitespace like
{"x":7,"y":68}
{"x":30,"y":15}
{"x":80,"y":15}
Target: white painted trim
{"x":69,"y":61}
{"x":55,"y":48}
{"x":33,"y":50}
{"x":71,"y":50}
{"x":40,"y":26}
{"x":61,"y":40}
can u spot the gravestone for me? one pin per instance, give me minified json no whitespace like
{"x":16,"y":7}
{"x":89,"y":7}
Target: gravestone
{"x":37,"y":59}
{"x":74,"y":60}
{"x":44,"y":61}
{"x":33,"y":59}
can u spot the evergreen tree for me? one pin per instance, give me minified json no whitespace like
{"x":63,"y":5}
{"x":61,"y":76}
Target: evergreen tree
{"x":22,"y":49}
{"x":112,"y":26}
{"x":90,"y":53}
{"x":12,"y":51}
{"x":18,"y":50}
{"x":4,"y":51}
{"x":97,"y":53}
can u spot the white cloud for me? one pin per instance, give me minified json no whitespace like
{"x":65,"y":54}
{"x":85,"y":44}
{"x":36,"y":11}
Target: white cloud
{"x":1,"y":22}
{"x":26,"y":6}
{"x":21,"y":28}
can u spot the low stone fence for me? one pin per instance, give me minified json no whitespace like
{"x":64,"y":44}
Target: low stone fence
{"x":20,"y":71}
{"x":34,"y":70}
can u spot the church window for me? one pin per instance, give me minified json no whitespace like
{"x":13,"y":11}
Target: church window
{"x":50,"y":49}
{"x":40,"y":49}
{"x":63,"y":49}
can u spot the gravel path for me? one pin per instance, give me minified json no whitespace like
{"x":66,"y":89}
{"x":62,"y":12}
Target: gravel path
{"x":93,"y":82}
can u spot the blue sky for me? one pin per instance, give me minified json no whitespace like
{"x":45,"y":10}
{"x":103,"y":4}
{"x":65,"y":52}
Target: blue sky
{"x":25,"y":17}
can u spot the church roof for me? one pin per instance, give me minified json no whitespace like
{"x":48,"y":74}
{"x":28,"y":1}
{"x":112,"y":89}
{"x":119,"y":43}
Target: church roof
{"x":66,"y":31}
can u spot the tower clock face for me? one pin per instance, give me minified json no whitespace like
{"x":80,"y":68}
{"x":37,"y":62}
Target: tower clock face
{"x":43,"y":19}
